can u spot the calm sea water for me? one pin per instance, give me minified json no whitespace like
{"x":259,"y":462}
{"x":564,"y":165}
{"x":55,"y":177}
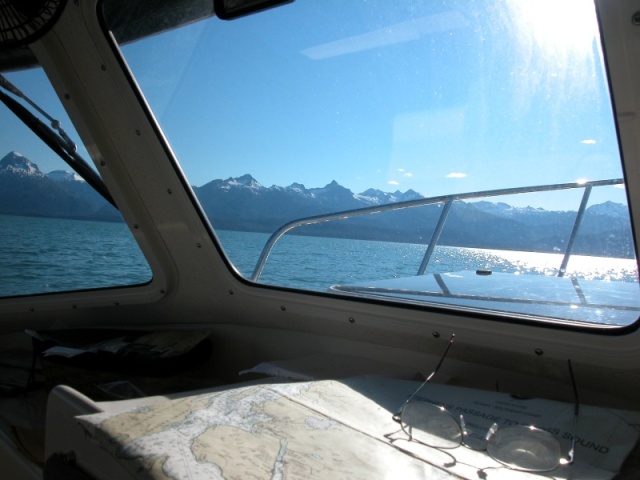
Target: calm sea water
{"x":316,"y":262}
{"x":39,"y":255}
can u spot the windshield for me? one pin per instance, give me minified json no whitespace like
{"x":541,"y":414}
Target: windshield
{"x":57,"y":233}
{"x":54,"y":136}
{"x":313,"y":108}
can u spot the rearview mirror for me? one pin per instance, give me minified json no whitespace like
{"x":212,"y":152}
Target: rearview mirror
{"x":230,"y":9}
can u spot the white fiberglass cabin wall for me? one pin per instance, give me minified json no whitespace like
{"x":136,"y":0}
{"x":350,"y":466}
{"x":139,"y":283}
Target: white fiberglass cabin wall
{"x":343,"y":185}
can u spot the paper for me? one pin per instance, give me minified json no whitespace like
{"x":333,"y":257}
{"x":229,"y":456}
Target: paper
{"x":344,"y":429}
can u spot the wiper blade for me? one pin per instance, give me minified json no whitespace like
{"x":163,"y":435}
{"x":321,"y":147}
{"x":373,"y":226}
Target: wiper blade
{"x":55,"y":137}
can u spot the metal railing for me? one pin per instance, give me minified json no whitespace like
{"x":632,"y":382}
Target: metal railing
{"x":447,"y":201}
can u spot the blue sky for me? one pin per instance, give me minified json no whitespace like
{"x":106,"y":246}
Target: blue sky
{"x":429,"y":98}
{"x":424,"y":95}
{"x":16,"y":136}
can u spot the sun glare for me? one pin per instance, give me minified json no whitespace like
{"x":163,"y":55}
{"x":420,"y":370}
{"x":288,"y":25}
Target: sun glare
{"x":561,"y":27}
{"x":555,"y":48}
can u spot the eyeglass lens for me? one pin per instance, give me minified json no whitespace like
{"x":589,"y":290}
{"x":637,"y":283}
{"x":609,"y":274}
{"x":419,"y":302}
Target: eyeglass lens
{"x":525,"y":448}
{"x":431,"y":425}
{"x":520,"y":447}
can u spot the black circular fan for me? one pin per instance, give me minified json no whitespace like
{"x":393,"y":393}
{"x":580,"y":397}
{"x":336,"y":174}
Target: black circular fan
{"x":24,"y":21}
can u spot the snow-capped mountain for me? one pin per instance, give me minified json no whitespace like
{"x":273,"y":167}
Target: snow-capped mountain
{"x":25,"y":190}
{"x":243,"y":203}
{"x":64,"y":176}
{"x":505,"y":210}
{"x":378,"y":197}
{"x":609,"y":209}
{"x":606,"y":229}
{"x":332,"y":193}
{"x":245,"y":181}
{"x":15,"y":163}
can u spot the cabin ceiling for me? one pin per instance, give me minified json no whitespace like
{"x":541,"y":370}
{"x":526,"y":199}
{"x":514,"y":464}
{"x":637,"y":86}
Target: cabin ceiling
{"x":129,"y":20}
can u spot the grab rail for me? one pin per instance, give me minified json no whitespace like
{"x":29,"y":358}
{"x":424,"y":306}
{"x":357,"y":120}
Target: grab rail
{"x":447,"y":200}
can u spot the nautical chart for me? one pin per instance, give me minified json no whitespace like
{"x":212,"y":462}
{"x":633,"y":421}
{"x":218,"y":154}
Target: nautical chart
{"x":326,"y":429}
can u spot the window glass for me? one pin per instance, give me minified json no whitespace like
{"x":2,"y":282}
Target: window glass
{"x":488,"y":126}
{"x":56,"y":232}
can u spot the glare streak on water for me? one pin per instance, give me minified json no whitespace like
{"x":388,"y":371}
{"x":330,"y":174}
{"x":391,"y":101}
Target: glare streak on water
{"x":317,"y":262}
{"x":581,"y":266}
{"x":40,"y":255}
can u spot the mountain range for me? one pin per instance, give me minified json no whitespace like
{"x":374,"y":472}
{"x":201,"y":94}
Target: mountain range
{"x":25,"y":190}
{"x":242,"y":203}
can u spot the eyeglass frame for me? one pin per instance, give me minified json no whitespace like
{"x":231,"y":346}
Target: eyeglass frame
{"x":568,"y":460}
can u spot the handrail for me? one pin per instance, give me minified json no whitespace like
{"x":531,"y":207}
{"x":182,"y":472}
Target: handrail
{"x":448,"y":201}
{"x":436,"y":236}
{"x":574,"y":231}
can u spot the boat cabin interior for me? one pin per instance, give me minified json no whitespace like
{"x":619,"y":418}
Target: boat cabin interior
{"x":297,"y":239}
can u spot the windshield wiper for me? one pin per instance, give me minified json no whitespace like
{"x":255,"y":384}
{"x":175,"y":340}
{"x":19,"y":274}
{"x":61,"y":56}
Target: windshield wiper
{"x":55,"y":137}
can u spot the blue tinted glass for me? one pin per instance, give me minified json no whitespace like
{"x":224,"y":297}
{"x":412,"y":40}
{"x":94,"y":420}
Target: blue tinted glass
{"x":492,"y":119}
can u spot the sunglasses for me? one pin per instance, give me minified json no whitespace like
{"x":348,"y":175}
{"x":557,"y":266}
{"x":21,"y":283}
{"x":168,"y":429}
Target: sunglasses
{"x":522,"y":447}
